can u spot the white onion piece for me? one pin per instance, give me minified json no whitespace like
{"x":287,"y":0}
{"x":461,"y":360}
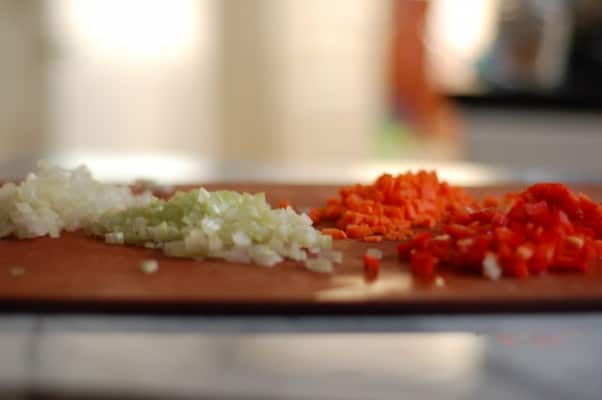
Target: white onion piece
{"x":319,"y":265}
{"x":149,"y":266}
{"x":374,"y":253}
{"x":491,"y":266}
{"x":53,"y":199}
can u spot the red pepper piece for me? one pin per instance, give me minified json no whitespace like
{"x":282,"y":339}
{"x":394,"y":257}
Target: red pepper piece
{"x":478,"y":249}
{"x":418,"y":242}
{"x":566,"y":263}
{"x":543,"y":254}
{"x":518,"y":212}
{"x":371,"y":264}
{"x":440,"y":248}
{"x":457,"y":216}
{"x":558,"y":195}
{"x":404,"y":249}
{"x":483,"y":216}
{"x":538,"y":212}
{"x":423,"y":264}
{"x":518,"y":268}
{"x":499,"y":220}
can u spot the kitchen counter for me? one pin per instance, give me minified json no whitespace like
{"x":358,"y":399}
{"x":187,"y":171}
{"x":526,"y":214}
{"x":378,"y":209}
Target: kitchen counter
{"x":285,"y":357}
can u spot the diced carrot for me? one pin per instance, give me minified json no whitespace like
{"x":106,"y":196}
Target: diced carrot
{"x":393,"y":206}
{"x":333,"y":201}
{"x":335,"y":233}
{"x":315,"y":214}
{"x":284,"y":204}
{"x":373,"y":238}
{"x":358,"y":231}
{"x":491,"y":201}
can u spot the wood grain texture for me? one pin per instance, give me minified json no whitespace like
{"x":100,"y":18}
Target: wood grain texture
{"x":75,"y":272}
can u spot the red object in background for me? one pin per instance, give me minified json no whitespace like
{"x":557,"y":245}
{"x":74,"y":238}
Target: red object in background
{"x":414,"y":97}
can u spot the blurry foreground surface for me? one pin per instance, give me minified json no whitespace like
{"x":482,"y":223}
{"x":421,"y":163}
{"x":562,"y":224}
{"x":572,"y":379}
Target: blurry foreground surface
{"x":411,"y":357}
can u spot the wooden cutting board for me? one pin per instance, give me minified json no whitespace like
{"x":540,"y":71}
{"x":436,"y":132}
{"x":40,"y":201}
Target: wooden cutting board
{"x":75,"y":272}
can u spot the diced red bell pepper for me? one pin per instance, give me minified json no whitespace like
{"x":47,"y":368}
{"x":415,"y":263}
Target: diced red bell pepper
{"x":440,"y":248}
{"x":543,"y":254}
{"x":518,"y":212}
{"x":499,"y":220}
{"x":558,"y":195}
{"x":418,"y":242}
{"x":483,"y":216}
{"x":371,"y":263}
{"x":517,"y":267}
{"x":423,"y":264}
{"x":538,"y":212}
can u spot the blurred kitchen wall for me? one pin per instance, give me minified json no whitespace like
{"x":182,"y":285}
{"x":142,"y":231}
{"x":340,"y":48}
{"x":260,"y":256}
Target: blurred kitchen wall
{"x":131,"y":76}
{"x":280,"y":80}
{"x":23,"y":88}
{"x":236,"y":80}
{"x":302,"y":79}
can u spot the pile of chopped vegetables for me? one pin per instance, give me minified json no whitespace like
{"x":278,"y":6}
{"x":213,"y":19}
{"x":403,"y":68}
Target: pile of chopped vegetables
{"x":54,"y":199}
{"x":545,"y":228}
{"x":197,"y":224}
{"x":237,"y":227}
{"x":391,"y":208}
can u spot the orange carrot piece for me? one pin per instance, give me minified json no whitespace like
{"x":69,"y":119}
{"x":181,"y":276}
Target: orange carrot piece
{"x":335,"y":233}
{"x":315,"y":215}
{"x":358,"y":231}
{"x":284,"y":204}
{"x":373,"y":238}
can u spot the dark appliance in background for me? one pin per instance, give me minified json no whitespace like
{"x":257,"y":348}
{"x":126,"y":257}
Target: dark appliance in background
{"x":544,"y":53}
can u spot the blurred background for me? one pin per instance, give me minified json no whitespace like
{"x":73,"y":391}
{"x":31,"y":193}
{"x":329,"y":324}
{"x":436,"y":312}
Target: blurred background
{"x":513,"y":83}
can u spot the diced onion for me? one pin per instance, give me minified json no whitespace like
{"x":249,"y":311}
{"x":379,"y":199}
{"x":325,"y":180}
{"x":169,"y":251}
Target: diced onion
{"x":237,"y":227}
{"x":319,"y":265}
{"x":199,"y":224}
{"x":16,"y":271}
{"x":149,"y":266}
{"x":53,"y":199}
{"x":374,"y":253}
{"x":491,"y":267}
{"x":114,"y":238}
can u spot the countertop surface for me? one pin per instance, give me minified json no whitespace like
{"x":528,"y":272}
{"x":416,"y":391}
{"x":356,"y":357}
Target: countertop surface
{"x":545,"y":356}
